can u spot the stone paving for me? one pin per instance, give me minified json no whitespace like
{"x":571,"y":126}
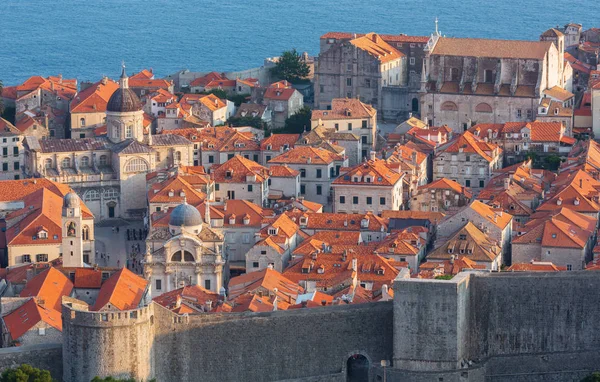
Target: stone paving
{"x":112,"y":247}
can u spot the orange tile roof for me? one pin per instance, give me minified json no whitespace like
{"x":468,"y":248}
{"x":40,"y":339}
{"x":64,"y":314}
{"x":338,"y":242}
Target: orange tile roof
{"x":218,"y":84}
{"x":447,"y":184}
{"x":477,"y":47}
{"x":281,"y":94}
{"x":470,"y":242}
{"x":265,"y":280}
{"x":49,"y":286}
{"x":94,"y":98}
{"x":9,"y":92}
{"x":498,"y":218}
{"x":88,"y":278}
{"x":404,"y":153}
{"x":278,"y":141}
{"x":251,"y":303}
{"x":345,"y":222}
{"x":282,"y":171}
{"x":204,"y":80}
{"x":401,"y":38}
{"x":559,"y":93}
{"x":25,"y":317}
{"x":345,"y":108}
{"x":376,"y":171}
{"x":306,"y":155}
{"x":239,"y":168}
{"x":212,"y":102}
{"x":194,"y":294}
{"x":160,"y":192}
{"x":433,"y":217}
{"x":469,"y":144}
{"x":66,"y":88}
{"x":375,"y":46}
{"x":236,"y":210}
{"x":535,"y":267}
{"x":123,"y":291}
{"x":149,"y":84}
{"x":145,"y":74}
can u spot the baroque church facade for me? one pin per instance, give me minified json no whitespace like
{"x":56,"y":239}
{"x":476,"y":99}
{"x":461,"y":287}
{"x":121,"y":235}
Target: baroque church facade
{"x":109,"y":172}
{"x":186,"y":252}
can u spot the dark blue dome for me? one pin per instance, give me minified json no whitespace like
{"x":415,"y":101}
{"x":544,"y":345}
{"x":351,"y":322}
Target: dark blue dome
{"x":185,"y":215}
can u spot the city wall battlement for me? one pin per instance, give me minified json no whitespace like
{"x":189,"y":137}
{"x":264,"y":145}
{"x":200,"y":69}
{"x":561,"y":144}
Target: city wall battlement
{"x":477,"y":326}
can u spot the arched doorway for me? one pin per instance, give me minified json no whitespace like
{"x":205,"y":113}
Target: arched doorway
{"x":111,"y":209}
{"x":415,"y":105}
{"x":357,"y":368}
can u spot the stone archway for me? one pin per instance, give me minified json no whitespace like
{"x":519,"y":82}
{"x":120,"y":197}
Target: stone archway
{"x":357,"y":368}
{"x":415,"y":105}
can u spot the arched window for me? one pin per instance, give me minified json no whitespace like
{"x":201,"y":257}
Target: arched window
{"x":82,"y":122}
{"x":129,"y":131}
{"x":103,"y":160}
{"x":178,"y":156}
{"x":483,"y":108}
{"x":66,"y":163}
{"x":91,"y":195}
{"x":176,"y":256}
{"x":449,"y":106}
{"x":85,"y":232}
{"x":136,"y":165}
{"x":182,"y":255}
{"x":71,"y":229}
{"x":48,"y":163}
{"x":188,"y":256}
{"x":110,"y":193}
{"x":85,"y":162}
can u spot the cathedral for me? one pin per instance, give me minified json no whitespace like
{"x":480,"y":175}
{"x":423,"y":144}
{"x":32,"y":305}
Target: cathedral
{"x":186,"y":251}
{"x":109,"y":172}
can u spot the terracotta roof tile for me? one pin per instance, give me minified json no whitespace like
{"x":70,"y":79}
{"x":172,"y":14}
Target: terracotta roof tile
{"x":94,"y":98}
{"x":475,"y":47}
{"x":400,"y":38}
{"x":279,"y":141}
{"x":49,"y":286}
{"x":123,"y":291}
{"x":238,"y":169}
{"x":345,"y":108}
{"x":374,"y":45}
{"x":372,"y":172}
{"x":25,"y":317}
{"x":306,"y":155}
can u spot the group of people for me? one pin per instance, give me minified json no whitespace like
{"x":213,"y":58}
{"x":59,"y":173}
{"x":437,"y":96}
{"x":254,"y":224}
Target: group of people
{"x":136,"y":234}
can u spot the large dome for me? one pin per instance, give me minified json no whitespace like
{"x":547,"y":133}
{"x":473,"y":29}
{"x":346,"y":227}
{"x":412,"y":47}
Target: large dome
{"x":124,"y":100}
{"x":185,"y":215}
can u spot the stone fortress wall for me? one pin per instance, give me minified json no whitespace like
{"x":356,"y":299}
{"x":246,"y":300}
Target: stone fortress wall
{"x":475,"y":327}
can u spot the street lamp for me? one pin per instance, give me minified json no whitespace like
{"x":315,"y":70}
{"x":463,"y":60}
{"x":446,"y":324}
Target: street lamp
{"x":384,"y":363}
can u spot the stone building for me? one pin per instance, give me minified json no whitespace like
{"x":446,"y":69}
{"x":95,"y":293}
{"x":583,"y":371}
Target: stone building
{"x":276,"y":144}
{"x":370,"y":186}
{"x":88,"y":108}
{"x":11,"y":143}
{"x":467,"y":81}
{"x":572,"y":32}
{"x":283,"y":101}
{"x":357,"y":67}
{"x":241,"y":178}
{"x":109,"y":173}
{"x":341,"y":143}
{"x":467,"y":160}
{"x":318,"y":168}
{"x":188,"y":252}
{"x":349,"y":115}
{"x":518,"y":139}
{"x":442,"y":195}
{"x":563,"y":237}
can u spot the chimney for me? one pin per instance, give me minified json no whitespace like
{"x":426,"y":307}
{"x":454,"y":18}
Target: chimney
{"x":372,"y":154}
{"x":270,"y":266}
{"x":354,"y":264}
{"x":275,"y":299}
{"x":490,"y":133}
{"x":506,"y":183}
{"x":208,"y":305}
{"x":414,"y":158}
{"x":344,"y":255}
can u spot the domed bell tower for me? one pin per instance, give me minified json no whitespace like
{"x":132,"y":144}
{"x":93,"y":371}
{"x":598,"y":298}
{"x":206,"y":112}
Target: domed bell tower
{"x":124,"y":114}
{"x":72,"y":241}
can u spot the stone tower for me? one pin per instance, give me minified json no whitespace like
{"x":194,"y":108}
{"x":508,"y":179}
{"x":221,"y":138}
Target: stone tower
{"x":558,"y":38}
{"x":124,"y":114}
{"x":72,"y":242}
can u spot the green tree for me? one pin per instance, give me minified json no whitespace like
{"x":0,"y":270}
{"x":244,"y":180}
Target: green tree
{"x":291,"y":67}
{"x":255,"y":122}
{"x":297,"y":123}
{"x":594,"y":377}
{"x":444,"y":277}
{"x":218,"y":92}
{"x":26,"y":373}
{"x":552,"y":162}
{"x":238,"y":99}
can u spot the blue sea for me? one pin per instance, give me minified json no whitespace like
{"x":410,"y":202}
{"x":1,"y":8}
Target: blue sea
{"x":88,"y":39}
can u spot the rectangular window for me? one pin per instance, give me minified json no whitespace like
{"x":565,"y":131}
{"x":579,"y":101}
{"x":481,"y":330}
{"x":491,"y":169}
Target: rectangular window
{"x":342,"y":199}
{"x":349,"y":67}
{"x":355,"y":200}
{"x":382,"y":201}
{"x":412,"y":60}
{"x":250,"y":188}
{"x":529,"y":113}
{"x":4,"y":166}
{"x":364,"y":124}
{"x":350,"y":126}
{"x":207,"y":284}
{"x":519,"y":113}
{"x":41,"y":258}
{"x":5,"y":150}
{"x":245,"y":238}
{"x":467,"y":183}
{"x":482,"y":183}
{"x":158,"y":284}
{"x":15,"y":151}
{"x":337,"y":127}
{"x":268,"y":158}
{"x":368,"y":82}
{"x":319,"y":173}
{"x":229,"y":156}
{"x":369,"y":200}
{"x":255,"y":157}
{"x":217,"y":187}
{"x":348,"y":81}
{"x":302,"y":189}
{"x":569,"y":267}
{"x":26,"y":259}
{"x":255,"y":264}
{"x":302,"y":173}
{"x":321,"y":88}
{"x":363,"y":139}
{"x":319,"y":189}
{"x":16,"y":165}
{"x":211,"y":159}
